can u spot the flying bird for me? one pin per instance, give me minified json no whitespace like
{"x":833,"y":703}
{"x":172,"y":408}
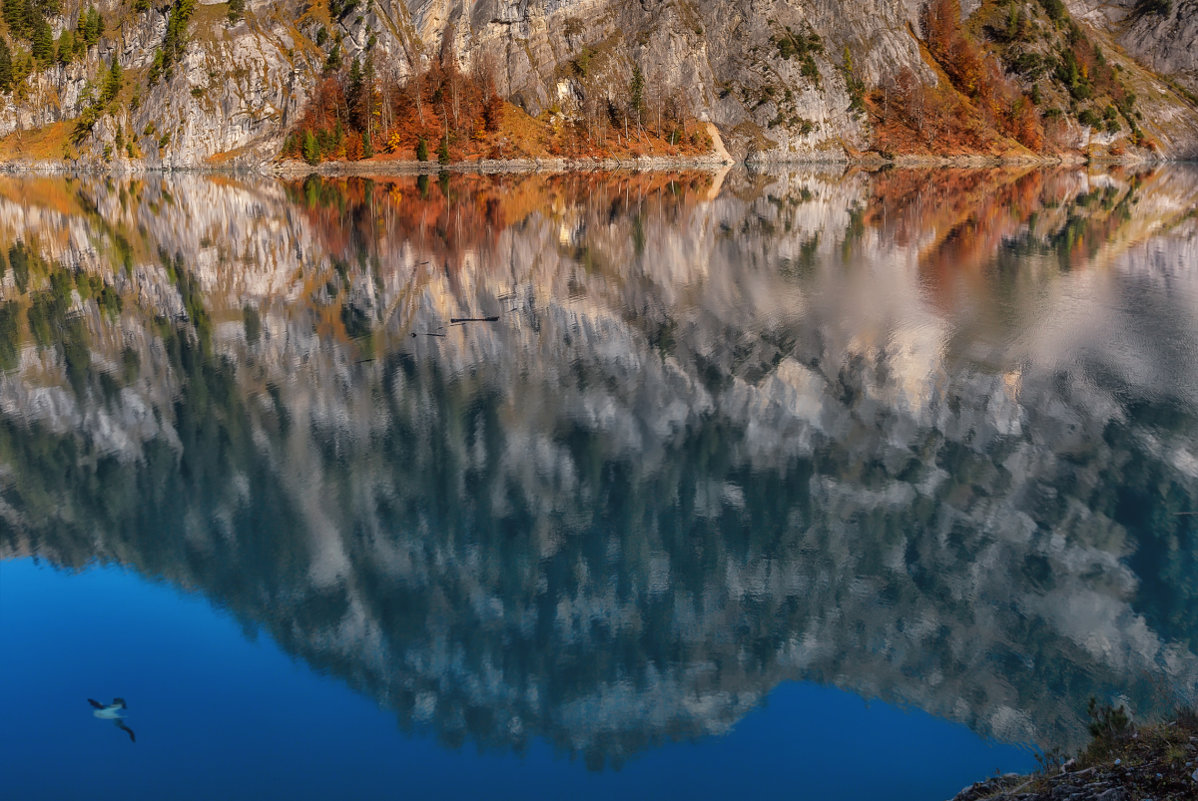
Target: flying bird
{"x":114,"y":712}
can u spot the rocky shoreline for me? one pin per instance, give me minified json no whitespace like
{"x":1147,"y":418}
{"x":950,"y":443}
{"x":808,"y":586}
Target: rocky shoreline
{"x":1155,"y":763}
{"x":293,"y":169}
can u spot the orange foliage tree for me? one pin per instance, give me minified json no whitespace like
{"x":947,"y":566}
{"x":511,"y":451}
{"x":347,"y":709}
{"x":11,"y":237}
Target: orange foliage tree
{"x":445,"y":113}
{"x":353,"y":114}
{"x":978,"y":75}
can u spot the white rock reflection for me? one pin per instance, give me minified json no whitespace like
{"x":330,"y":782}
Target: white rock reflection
{"x":926,"y":444}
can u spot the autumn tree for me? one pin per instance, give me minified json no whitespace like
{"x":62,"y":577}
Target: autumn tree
{"x":492,"y":108}
{"x":979,"y":76}
{"x":952,"y":46}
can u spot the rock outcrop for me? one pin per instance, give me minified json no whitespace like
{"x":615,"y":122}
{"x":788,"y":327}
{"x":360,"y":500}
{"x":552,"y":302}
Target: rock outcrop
{"x":1162,"y":34}
{"x":1159,"y":761}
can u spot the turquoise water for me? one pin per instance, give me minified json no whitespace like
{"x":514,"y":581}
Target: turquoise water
{"x":831,"y":485}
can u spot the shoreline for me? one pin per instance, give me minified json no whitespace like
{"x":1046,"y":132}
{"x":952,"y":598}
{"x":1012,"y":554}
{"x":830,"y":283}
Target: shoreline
{"x":712,"y":163}
{"x":1123,"y":762}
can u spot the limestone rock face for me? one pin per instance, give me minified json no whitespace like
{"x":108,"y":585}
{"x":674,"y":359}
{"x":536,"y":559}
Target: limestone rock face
{"x":234,"y":95}
{"x":238,"y":86}
{"x":1163,"y":40}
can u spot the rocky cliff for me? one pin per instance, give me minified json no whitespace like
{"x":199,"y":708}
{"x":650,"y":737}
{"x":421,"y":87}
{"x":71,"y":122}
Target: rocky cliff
{"x":226,"y":83}
{"x":1160,"y":33}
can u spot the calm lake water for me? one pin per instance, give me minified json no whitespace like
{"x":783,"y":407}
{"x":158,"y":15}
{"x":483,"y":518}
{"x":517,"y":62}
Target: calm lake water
{"x":815,"y":485}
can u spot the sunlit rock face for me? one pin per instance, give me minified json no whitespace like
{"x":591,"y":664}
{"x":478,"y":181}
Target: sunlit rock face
{"x":239,"y":86}
{"x":1161,"y":35}
{"x":929,"y":442}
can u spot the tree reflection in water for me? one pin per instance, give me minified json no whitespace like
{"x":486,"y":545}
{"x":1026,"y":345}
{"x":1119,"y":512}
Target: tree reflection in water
{"x":930,"y":439}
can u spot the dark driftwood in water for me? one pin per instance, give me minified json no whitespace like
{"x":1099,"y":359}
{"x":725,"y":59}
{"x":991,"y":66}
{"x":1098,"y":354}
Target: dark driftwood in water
{"x":474,"y":319}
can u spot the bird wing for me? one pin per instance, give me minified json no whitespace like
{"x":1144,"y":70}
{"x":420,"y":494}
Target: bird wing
{"x":95,"y":703}
{"x":120,"y":725}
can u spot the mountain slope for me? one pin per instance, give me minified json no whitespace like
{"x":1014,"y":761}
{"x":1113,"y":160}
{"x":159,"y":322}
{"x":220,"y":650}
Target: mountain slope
{"x":241,"y":82}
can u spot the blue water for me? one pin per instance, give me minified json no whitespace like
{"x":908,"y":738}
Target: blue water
{"x":218,"y":714}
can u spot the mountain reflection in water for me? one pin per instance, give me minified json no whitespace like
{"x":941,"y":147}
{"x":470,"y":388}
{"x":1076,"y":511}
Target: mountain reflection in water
{"x":930,"y":438}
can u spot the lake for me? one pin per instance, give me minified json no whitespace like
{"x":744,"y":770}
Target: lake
{"x":825,"y":484}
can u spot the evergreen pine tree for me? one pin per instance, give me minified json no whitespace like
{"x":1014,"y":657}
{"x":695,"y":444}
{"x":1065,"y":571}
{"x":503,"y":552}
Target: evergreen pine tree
{"x":112,"y":82}
{"x":311,"y":148}
{"x":42,"y":42}
{"x":91,"y":26}
{"x":14,"y":15}
{"x":155,"y":68}
{"x":369,"y":103}
{"x":636,"y":93}
{"x":66,"y":47}
{"x":355,"y":82}
{"x":333,"y":62}
{"x":29,"y":18}
{"x":5,"y":66}
{"x":81,"y":29}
